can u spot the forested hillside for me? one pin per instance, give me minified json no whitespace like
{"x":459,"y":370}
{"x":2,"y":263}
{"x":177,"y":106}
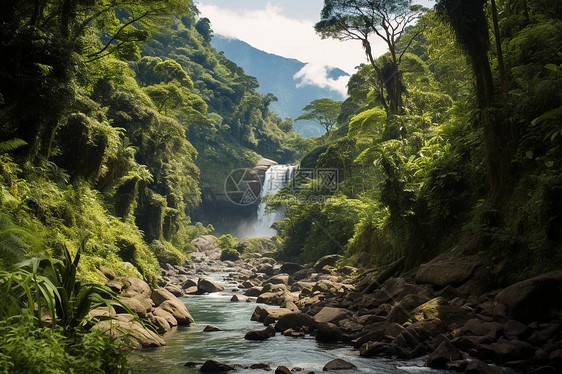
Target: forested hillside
{"x":118,"y":118}
{"x":292,"y":94}
{"x":113,"y":113}
{"x":442,"y":145}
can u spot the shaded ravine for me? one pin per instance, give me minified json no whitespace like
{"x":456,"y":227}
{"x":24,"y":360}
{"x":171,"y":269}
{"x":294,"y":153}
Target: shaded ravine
{"x":192,"y":344}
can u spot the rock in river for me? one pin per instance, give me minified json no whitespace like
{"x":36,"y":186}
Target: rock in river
{"x":207,"y":285}
{"x":339,"y":364}
{"x":211,"y":366}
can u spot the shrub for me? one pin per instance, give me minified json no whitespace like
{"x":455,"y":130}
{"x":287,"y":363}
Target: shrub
{"x":230,"y":254}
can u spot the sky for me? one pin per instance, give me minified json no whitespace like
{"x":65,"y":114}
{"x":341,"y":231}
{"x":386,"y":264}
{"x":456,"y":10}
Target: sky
{"x":286,"y":28}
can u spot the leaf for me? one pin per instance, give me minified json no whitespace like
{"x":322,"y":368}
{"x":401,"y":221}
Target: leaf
{"x":529,"y":154}
{"x":555,"y":114}
{"x":10,"y":145}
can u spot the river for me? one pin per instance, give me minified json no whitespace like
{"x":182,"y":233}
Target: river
{"x":192,"y":344}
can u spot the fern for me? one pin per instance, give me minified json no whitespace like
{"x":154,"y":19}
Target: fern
{"x":10,"y":145}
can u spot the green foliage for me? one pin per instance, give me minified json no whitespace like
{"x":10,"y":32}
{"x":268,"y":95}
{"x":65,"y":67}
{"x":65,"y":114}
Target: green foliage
{"x":10,"y":145}
{"x":229,"y":245}
{"x":239,"y":128}
{"x":313,"y":230}
{"x":229,"y":254}
{"x":44,"y":290}
{"x":325,"y":112}
{"x":369,"y":123}
{"x":227,"y":241}
{"x":24,"y":348}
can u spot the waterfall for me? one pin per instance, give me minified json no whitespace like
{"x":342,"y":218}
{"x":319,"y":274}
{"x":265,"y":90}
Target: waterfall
{"x":276,"y":177}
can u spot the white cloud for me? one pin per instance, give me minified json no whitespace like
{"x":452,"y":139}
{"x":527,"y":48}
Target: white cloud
{"x":317,"y":75}
{"x":273,"y":32}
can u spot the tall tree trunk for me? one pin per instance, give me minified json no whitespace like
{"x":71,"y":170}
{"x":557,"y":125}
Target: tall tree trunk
{"x":469,"y":22}
{"x":501,"y":65}
{"x":496,"y":153}
{"x":380,"y":75}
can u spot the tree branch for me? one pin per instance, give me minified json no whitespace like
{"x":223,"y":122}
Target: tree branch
{"x":135,"y":19}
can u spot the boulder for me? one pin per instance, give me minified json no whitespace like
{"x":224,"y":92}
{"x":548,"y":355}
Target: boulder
{"x":247,"y":284}
{"x":511,"y":350}
{"x":371,"y":349}
{"x":260,"y":334}
{"x":301,"y":286}
{"x":207,"y":245}
{"x":114,"y":285}
{"x":516,"y":330}
{"x":443,"y":354}
{"x":107,"y":272}
{"x":261,"y":365}
{"x":287,"y":304}
{"x":282,"y":370}
{"x":212,"y":328}
{"x":174,"y":290}
{"x":134,"y":287}
{"x":379,"y":331}
{"x":439,"y":308}
{"x":328,"y":333}
{"x":205,"y":285}
{"x":172,"y":321}
{"x":278,"y":279}
{"x":333,"y":315}
{"x":253,"y":291}
{"x":239,"y":298}
{"x":400,"y":312}
{"x":268,"y":315}
{"x":338,"y":364}
{"x":428,"y":328}
{"x":188,"y":283}
{"x":329,"y":260}
{"x":290,"y":268}
{"x":178,"y":310}
{"x":102,"y":311}
{"x":161,"y":324}
{"x":159,"y":295}
{"x":479,"y":367}
{"x":477,"y":327}
{"x":265,"y":268}
{"x":276,"y":298}
{"x":533,"y":299}
{"x":447,"y":270}
{"x":295,"y":321}
{"x":301,"y":274}
{"x":142,"y":336}
{"x":329,"y":287}
{"x":212,"y":366}
{"x":191,"y":290}
{"x":140,"y":307}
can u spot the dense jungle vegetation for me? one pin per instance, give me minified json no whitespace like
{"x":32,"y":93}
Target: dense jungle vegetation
{"x":114,"y":115}
{"x":451,"y":141}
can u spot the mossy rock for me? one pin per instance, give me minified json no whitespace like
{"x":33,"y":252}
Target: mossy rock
{"x":437,"y":308}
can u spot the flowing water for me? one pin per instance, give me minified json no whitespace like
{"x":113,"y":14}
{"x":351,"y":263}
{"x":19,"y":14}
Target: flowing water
{"x":276,"y":177}
{"x":192,"y":344}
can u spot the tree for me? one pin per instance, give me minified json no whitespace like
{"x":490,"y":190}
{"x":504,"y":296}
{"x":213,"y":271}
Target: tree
{"x":325,"y":112}
{"x":203,"y":27}
{"x":360,"y":19}
{"x":468,"y":20}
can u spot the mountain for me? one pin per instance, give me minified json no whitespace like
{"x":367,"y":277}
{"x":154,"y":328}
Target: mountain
{"x":276,"y":75}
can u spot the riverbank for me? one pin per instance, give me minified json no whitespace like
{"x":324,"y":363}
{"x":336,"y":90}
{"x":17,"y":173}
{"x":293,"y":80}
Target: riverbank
{"x":439,"y":315}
